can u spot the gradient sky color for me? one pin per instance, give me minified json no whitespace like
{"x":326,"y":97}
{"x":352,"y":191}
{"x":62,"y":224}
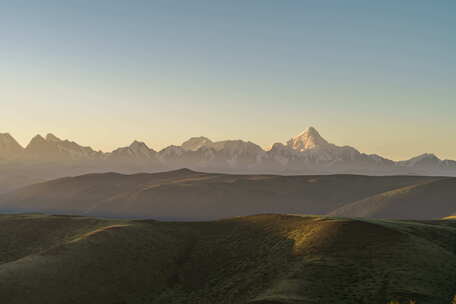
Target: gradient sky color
{"x":377,"y":75}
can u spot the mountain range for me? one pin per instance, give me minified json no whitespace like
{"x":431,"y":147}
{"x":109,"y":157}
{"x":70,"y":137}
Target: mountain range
{"x":307,"y":153}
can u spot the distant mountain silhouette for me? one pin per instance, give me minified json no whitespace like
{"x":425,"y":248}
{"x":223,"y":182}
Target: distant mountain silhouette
{"x":54,"y":149}
{"x":307,"y":153}
{"x":9,"y":147}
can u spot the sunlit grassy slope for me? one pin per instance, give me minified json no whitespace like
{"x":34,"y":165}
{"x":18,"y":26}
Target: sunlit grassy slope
{"x":258,"y":259}
{"x":431,"y":199}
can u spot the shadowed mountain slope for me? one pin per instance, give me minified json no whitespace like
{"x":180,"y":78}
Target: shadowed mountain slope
{"x":9,"y":147}
{"x":259,"y":259}
{"x":189,"y":195}
{"x":308,"y":153}
{"x":433,"y":199}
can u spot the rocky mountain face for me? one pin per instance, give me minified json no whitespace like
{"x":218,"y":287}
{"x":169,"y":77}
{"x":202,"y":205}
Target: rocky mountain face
{"x":306,"y":153}
{"x":53,"y":149}
{"x":196,"y":143}
{"x":307,"y":140}
{"x":138,"y":151}
{"x":311,"y":152}
{"x":9,"y":147}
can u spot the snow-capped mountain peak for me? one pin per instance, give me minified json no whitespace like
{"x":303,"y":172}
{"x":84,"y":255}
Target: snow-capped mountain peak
{"x":137,"y":150}
{"x":423,"y":159}
{"x":196,"y":143}
{"x":306,"y":153}
{"x":54,"y":149}
{"x":52,"y":138}
{"x":309,"y":139}
{"x":139,"y":146}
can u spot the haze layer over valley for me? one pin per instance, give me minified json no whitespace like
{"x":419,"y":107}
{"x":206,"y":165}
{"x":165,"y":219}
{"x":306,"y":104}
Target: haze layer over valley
{"x":49,"y":157}
{"x":189,"y":195}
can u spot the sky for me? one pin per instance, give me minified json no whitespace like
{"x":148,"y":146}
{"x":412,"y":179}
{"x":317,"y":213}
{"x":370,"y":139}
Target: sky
{"x":376,"y":75}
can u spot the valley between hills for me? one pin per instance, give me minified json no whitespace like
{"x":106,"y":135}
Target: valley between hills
{"x":189,"y":237}
{"x":187,"y":195}
{"x":227,"y":152}
{"x":308,"y":153}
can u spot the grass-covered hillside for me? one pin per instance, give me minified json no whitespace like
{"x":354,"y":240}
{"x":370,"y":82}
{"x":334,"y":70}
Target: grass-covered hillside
{"x":189,"y":195}
{"x":258,"y":259}
{"x":428,"y":200}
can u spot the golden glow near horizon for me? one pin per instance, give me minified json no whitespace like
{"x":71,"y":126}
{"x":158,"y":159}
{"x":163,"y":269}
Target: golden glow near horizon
{"x":161,"y":73}
{"x":107,"y":118}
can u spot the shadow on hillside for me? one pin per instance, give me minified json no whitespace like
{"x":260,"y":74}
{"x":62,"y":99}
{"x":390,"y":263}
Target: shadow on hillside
{"x":259,"y":259}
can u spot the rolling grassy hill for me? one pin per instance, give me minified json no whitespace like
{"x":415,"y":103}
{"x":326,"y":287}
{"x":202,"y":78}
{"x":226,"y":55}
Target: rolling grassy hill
{"x":260,"y":259}
{"x":432,"y":199}
{"x":189,"y":195}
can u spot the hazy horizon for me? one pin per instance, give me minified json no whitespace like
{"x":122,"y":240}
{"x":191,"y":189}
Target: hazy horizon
{"x":266,"y":148}
{"x":378,"y":76}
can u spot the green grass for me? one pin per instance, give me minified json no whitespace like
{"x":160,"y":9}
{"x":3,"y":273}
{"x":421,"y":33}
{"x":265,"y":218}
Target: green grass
{"x":259,"y":259}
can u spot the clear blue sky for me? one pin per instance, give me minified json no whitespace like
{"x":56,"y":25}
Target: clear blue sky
{"x":378,"y":75}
